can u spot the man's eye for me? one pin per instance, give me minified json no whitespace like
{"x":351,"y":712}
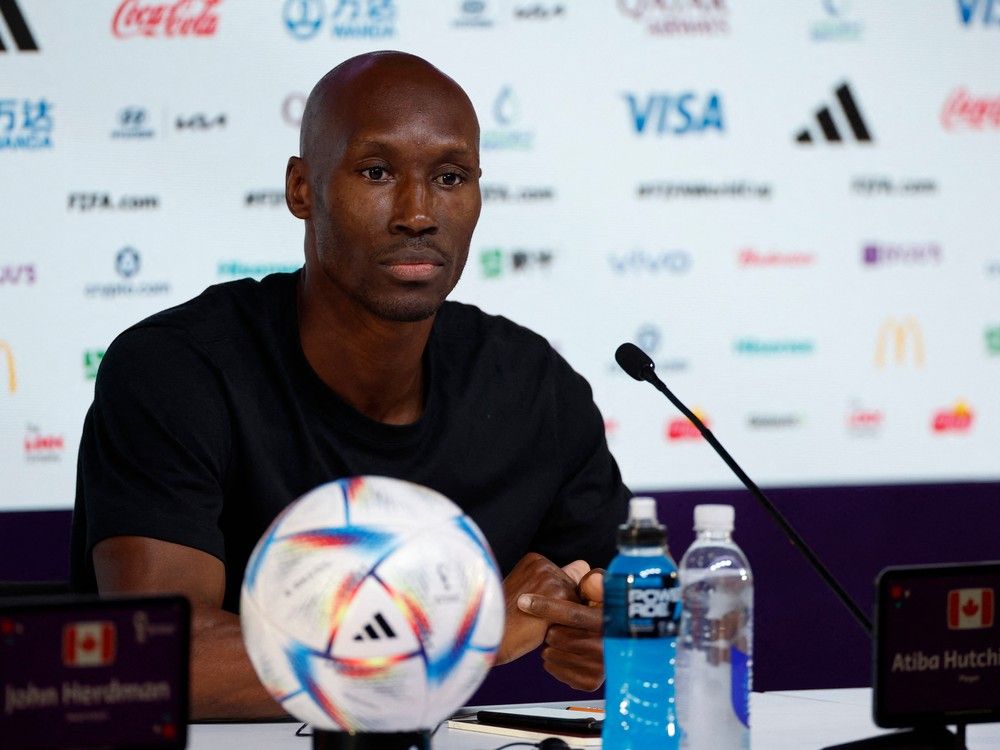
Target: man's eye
{"x":375,"y":173}
{"x":450,"y":179}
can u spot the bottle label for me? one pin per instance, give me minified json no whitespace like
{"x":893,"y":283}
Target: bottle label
{"x":637,"y":607}
{"x":740,"y":685}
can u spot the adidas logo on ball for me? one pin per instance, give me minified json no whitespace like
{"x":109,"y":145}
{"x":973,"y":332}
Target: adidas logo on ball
{"x":370,"y":633}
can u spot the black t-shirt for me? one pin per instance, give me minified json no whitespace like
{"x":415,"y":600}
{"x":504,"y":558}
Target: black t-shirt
{"x":208,"y":420}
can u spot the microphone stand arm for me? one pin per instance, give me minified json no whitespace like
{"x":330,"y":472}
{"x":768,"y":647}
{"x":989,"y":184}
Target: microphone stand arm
{"x":790,"y":532}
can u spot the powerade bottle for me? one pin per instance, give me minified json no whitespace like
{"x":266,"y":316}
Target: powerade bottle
{"x":641,"y":618}
{"x":713,"y":651}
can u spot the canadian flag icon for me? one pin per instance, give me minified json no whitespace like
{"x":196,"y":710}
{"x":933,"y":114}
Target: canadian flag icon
{"x":970,"y":609}
{"x":89,"y":644}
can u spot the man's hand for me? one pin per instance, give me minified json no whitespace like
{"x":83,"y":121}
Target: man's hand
{"x":534,"y":574}
{"x":574,"y":649}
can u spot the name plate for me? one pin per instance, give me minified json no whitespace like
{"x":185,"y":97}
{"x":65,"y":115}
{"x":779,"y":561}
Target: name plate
{"x":937,"y":645}
{"x":89,"y":673}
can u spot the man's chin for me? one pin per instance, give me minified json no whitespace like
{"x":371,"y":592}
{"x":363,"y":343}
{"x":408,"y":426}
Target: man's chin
{"x":403,"y":309}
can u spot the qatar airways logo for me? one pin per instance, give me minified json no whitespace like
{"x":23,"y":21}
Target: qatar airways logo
{"x":191,"y":18}
{"x":964,"y":111}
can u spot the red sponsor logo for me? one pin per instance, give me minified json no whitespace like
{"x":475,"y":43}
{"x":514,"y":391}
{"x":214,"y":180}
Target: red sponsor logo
{"x":38,"y":444}
{"x":864,"y":420}
{"x":179,"y":18}
{"x":682,"y":429}
{"x":89,"y":644}
{"x":970,"y":609}
{"x":750,"y":258}
{"x":962,"y":110}
{"x":956,"y":419}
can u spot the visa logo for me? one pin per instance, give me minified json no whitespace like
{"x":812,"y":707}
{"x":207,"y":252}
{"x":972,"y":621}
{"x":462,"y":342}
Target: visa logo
{"x":988,"y":11}
{"x":676,"y":114}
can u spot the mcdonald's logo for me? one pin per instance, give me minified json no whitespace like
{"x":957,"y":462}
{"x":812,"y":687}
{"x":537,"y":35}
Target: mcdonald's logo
{"x":902,"y":337}
{"x":8,"y":356}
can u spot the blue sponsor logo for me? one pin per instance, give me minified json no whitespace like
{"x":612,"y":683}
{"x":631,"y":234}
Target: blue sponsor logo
{"x":25,"y":124}
{"x":838,"y":24}
{"x":505,"y":135}
{"x":658,"y":261}
{"x":348,"y":19}
{"x":677,"y":113}
{"x":127,"y":262}
{"x":133,"y":123}
{"x":979,"y":12}
{"x":473,"y":14}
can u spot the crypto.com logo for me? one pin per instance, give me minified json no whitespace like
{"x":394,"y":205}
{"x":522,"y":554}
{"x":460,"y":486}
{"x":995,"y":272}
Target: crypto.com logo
{"x":8,"y":357}
{"x":901,"y":335}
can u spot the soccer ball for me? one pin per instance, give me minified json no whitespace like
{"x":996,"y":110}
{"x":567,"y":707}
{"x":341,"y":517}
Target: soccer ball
{"x":372,"y":605}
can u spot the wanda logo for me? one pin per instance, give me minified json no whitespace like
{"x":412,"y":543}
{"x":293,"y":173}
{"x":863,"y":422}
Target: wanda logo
{"x":178,"y":18}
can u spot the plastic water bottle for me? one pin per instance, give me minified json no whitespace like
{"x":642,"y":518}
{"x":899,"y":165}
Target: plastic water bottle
{"x":641,"y":618}
{"x":714,"y":662}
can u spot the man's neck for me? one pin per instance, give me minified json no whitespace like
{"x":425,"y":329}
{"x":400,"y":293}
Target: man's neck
{"x":375,"y":365}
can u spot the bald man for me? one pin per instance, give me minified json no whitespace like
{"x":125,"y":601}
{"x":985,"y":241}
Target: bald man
{"x":212,"y":416}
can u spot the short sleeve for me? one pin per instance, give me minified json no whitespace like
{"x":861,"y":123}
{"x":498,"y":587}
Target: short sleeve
{"x":593,"y":500}
{"x":155,"y":444}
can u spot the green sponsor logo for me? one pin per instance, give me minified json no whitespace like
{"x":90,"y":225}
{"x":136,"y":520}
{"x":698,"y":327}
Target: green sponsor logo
{"x":91,"y":361}
{"x":773,"y":347}
{"x":492,"y":262}
{"x":235,"y":269}
{"x":993,"y":340}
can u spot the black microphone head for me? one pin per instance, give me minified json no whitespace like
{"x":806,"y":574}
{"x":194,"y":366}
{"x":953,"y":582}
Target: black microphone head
{"x":634,"y":361}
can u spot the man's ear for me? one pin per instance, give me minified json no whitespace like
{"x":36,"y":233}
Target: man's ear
{"x":297,"y":194}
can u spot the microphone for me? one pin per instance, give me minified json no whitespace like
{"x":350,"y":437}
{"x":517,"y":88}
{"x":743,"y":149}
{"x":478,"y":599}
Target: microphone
{"x":639,"y":366}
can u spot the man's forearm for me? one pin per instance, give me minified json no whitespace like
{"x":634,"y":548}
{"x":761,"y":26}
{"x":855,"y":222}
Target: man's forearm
{"x":224,"y":684}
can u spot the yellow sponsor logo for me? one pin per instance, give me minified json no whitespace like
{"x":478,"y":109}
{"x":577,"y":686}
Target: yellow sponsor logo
{"x":902,"y":337}
{"x":8,"y":356}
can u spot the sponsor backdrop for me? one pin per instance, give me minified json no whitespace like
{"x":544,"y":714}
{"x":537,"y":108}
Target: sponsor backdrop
{"x":789,"y":205}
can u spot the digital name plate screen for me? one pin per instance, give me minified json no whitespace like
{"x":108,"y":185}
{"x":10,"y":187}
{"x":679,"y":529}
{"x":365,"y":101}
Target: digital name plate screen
{"x":937,"y":645}
{"x":88,"y":673}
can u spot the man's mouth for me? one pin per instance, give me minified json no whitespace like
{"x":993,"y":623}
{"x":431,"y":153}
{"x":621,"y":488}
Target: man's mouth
{"x":414,"y":265}
{"x":413,"y":271}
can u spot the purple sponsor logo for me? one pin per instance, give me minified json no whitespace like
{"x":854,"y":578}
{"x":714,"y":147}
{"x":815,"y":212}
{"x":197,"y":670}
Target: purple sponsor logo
{"x":916,"y":253}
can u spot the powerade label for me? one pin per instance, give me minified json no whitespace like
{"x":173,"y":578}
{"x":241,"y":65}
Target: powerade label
{"x":641,"y":606}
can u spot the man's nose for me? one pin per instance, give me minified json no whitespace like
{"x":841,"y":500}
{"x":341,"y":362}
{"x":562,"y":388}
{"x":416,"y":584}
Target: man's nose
{"x":413,"y":210}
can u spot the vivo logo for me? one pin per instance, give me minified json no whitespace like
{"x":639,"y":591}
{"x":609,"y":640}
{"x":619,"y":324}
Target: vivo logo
{"x":640,"y":261}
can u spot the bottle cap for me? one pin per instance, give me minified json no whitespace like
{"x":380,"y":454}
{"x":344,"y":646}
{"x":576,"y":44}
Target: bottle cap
{"x":642,"y":529}
{"x":714,"y":517}
{"x":642,"y":509}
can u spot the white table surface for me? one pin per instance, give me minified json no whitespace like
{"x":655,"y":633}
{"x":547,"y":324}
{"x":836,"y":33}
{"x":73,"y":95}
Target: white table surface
{"x":792,"y":720}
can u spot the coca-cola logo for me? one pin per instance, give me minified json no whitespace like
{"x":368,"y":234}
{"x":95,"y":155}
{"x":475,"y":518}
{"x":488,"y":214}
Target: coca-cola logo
{"x":179,"y":18}
{"x":964,"y":110}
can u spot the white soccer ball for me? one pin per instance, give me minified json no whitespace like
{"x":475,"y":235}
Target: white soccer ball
{"x":372,"y":605}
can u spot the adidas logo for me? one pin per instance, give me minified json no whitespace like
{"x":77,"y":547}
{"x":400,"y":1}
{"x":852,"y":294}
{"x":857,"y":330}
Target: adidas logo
{"x":17,"y":26}
{"x":370,"y":632}
{"x":828,"y":116}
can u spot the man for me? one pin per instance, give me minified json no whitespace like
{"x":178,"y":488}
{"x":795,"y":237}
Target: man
{"x":212,"y":416}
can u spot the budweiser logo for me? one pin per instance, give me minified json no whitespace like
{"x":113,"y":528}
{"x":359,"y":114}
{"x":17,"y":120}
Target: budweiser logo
{"x":179,"y":18}
{"x":964,"y":110}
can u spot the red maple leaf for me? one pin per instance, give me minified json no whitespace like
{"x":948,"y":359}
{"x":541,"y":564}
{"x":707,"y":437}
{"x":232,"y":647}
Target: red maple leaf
{"x":970,"y":608}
